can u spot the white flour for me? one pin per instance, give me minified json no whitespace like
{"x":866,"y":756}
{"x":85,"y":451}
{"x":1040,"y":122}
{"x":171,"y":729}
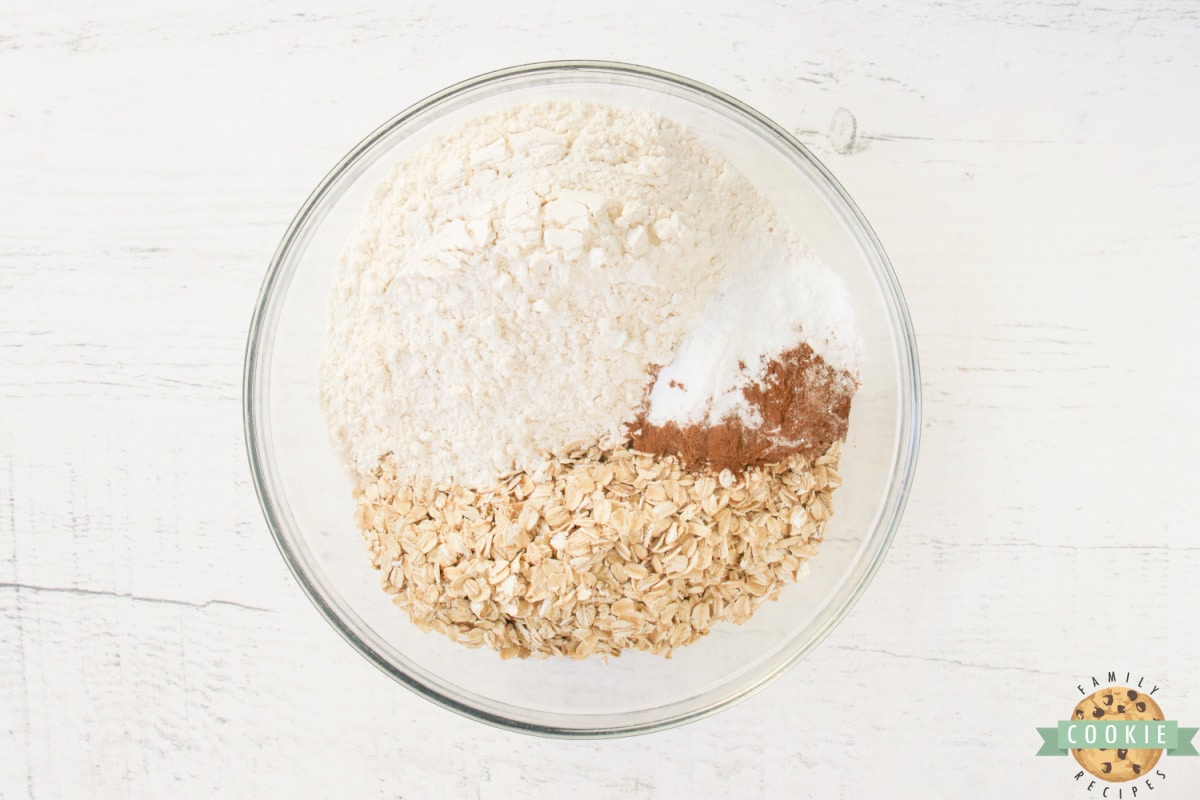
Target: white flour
{"x":510,"y":287}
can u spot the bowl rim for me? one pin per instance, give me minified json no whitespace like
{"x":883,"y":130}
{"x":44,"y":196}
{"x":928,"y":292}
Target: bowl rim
{"x":903,"y":466}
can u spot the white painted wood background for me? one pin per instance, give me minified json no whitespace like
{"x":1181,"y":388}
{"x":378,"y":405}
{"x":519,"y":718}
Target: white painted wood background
{"x":1032,"y":169}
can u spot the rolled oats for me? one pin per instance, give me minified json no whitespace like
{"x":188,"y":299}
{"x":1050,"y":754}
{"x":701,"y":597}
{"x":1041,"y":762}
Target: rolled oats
{"x":597,"y":551}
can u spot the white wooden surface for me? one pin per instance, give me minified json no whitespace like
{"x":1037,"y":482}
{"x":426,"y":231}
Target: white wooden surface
{"x":1032,"y":170}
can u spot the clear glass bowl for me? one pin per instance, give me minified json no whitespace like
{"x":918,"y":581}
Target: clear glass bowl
{"x":306,"y":495}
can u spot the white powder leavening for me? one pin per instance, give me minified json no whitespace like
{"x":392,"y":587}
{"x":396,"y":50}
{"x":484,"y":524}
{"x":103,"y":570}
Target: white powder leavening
{"x":512,"y":286}
{"x":779,"y":299}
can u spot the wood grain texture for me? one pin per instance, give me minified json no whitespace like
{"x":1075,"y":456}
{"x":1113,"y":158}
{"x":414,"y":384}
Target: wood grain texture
{"x":1031,"y":169}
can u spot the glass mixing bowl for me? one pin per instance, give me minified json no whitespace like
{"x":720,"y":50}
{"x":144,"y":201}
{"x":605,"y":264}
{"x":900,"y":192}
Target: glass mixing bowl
{"x":306,"y":494}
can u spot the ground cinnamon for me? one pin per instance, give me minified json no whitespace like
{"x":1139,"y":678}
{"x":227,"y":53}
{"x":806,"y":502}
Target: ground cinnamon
{"x":804,"y":405}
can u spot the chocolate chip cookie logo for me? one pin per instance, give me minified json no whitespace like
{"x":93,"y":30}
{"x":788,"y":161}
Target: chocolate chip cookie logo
{"x":1118,"y":734}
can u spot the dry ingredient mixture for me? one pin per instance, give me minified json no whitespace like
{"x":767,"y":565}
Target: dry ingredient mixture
{"x":591,"y":390}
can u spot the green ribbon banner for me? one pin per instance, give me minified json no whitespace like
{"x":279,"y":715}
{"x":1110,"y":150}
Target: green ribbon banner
{"x":1124,"y":734}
